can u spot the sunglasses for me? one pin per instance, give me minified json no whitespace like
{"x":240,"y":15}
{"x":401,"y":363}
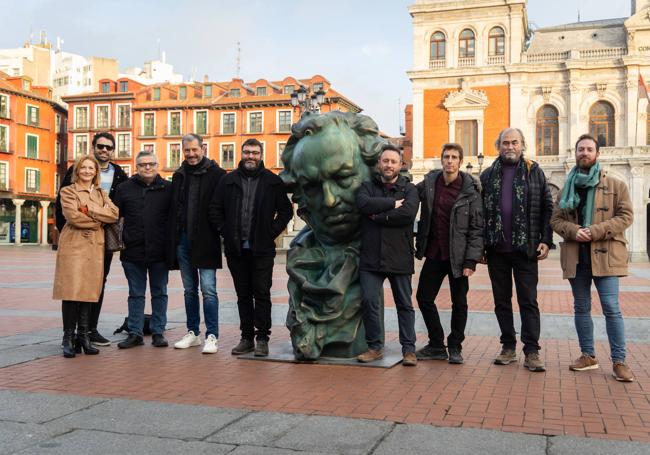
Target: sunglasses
{"x":109,"y":148}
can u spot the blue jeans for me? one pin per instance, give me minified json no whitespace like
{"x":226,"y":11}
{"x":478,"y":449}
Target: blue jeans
{"x":607,"y":288}
{"x":192,"y":278}
{"x":371,"y":294}
{"x":136,"y":275}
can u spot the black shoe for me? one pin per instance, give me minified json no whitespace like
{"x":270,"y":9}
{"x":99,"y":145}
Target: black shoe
{"x":245,"y":346}
{"x":98,"y":339}
{"x":83,"y":339}
{"x":455,"y":356}
{"x":132,"y":341}
{"x":431,"y":353}
{"x":261,"y":348}
{"x":67,"y":344}
{"x":159,"y":341}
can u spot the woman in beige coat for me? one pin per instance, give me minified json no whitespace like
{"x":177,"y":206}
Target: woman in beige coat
{"x":80,"y":256}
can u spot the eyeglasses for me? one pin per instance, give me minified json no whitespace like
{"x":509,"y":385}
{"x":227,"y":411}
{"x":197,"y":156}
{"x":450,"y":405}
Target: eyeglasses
{"x":145,"y":165}
{"x":110,"y":148}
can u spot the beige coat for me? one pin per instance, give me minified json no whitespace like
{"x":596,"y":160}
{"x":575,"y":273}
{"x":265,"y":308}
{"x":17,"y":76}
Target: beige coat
{"x":79,"y":270}
{"x":612,"y":215}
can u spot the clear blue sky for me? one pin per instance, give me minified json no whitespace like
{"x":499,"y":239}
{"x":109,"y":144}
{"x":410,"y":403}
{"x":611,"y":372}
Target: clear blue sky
{"x":364,"y":47}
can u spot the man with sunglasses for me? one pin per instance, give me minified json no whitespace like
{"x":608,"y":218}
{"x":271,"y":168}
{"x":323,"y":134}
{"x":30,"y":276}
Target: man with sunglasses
{"x":111,"y":177}
{"x":251,"y":208}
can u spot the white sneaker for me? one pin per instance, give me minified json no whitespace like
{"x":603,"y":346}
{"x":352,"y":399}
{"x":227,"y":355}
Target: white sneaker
{"x":188,"y":340}
{"x":211,"y":345}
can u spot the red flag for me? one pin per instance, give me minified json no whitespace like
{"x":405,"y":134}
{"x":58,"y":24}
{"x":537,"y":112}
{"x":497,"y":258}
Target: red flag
{"x":643,"y":88}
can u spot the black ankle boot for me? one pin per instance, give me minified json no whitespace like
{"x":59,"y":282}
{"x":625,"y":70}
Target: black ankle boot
{"x":83,"y":340}
{"x":68,"y":344}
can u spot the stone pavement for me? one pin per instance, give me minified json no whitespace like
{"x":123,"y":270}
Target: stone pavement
{"x":161,"y":400}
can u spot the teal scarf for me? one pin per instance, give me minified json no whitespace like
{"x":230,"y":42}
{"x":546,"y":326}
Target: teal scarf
{"x":570,"y":198}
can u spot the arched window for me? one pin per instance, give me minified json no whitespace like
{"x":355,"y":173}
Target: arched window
{"x":601,"y":123}
{"x":547,"y":131}
{"x":438,"y":43}
{"x":467,"y":44}
{"x":496,"y":42}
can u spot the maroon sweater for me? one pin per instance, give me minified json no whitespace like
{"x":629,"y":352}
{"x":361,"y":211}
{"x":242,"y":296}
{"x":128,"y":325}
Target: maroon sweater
{"x":443,"y":201}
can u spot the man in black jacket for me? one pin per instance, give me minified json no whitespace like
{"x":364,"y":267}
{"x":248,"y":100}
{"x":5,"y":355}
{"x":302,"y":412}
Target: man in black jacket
{"x":144,"y":201}
{"x":517,"y":206}
{"x":389,"y":204}
{"x":192,"y":244}
{"x":111,"y":177}
{"x":251,"y":209}
{"x":450,"y":237}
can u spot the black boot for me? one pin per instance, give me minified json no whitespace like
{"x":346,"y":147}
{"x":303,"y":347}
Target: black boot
{"x":83,"y":341}
{"x":69,"y":313}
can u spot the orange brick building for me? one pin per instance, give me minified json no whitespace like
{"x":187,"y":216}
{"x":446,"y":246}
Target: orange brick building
{"x":225,"y":114}
{"x":32,"y":141}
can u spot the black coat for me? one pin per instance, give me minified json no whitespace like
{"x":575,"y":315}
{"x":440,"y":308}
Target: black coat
{"x":465,"y":225}
{"x":145,"y":209}
{"x":271,"y":213}
{"x":206,"y":244}
{"x":387,"y":232}
{"x":118,"y":177}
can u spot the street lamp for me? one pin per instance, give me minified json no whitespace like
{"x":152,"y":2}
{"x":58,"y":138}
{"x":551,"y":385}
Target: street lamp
{"x":480,"y":158}
{"x":469,"y":168}
{"x":300,"y":100}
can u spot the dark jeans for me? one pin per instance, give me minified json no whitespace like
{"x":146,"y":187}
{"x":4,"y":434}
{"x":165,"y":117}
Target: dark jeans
{"x":371,"y":292}
{"x":96,"y":309}
{"x":501,"y":267}
{"x":136,"y":275}
{"x":431,"y":277}
{"x":253,"y":276}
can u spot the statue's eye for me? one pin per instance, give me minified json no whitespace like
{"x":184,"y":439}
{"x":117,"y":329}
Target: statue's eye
{"x":309,"y":132}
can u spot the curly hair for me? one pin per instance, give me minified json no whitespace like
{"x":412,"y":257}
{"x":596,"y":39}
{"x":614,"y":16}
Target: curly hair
{"x":371,"y":145}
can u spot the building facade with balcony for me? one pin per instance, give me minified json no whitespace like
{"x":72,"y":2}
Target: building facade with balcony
{"x":478,"y":68}
{"x":33,"y":141}
{"x":155,"y":117}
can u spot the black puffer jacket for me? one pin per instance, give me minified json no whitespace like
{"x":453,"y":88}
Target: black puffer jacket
{"x":539,"y":208}
{"x":466,"y":222}
{"x":206,"y":243}
{"x":145,"y":209}
{"x":119,"y":177}
{"x":271,"y":213}
{"x":387,"y":232}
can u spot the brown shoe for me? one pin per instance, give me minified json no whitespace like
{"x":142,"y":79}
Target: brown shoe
{"x":370,"y":355}
{"x":622,"y":372}
{"x":409,"y":360}
{"x":534,"y":362}
{"x":507,"y":356}
{"x":584,"y":362}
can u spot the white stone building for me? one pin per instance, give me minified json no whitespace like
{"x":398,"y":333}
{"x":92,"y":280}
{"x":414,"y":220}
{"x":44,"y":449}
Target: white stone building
{"x":479,"y":68}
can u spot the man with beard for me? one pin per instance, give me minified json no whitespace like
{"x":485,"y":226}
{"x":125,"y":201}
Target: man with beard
{"x":450,"y":238}
{"x":593,"y":211}
{"x":517,"y":206}
{"x":390,"y":204}
{"x":193,"y":245}
{"x":250,"y":209}
{"x":111,"y":175}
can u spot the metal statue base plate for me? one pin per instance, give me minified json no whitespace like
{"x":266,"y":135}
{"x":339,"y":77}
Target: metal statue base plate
{"x":283,"y":352}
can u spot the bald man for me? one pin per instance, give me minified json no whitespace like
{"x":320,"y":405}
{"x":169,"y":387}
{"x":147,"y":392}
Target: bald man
{"x":517,"y":206}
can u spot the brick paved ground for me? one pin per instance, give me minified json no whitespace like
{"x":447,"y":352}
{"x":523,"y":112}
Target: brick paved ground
{"x":477,"y":394}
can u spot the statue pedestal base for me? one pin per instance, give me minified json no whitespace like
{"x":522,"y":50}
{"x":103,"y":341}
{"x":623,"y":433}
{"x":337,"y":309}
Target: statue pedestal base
{"x":283,"y":352}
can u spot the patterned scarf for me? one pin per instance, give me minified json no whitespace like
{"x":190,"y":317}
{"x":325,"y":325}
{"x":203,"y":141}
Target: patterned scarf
{"x":492,"y":200}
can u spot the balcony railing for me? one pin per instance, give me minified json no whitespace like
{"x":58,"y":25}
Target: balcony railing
{"x":466,"y":61}
{"x":437,"y":63}
{"x":148,"y":132}
{"x":496,"y":59}
{"x":587,"y":54}
{"x":603,"y":53}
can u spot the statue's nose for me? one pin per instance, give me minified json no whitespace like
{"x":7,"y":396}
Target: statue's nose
{"x":329,"y":198}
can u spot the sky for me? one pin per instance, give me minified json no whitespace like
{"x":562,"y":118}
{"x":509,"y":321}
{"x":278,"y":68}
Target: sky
{"x":363,"y":47}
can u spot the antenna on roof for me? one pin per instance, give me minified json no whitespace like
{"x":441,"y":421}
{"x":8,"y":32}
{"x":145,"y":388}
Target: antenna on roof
{"x":238,"y":58}
{"x":578,"y":15}
{"x":399,"y":116}
{"x":158,"y":42}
